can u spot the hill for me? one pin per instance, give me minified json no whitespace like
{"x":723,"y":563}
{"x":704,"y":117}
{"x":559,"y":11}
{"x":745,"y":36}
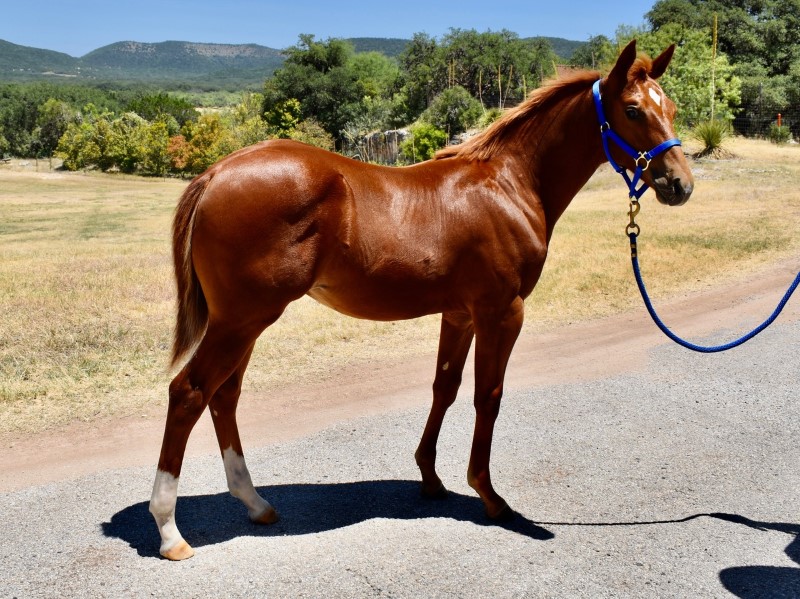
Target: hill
{"x":180,"y":59}
{"x":176,"y":64}
{"x":17,"y":61}
{"x":172,"y":62}
{"x":564,"y":48}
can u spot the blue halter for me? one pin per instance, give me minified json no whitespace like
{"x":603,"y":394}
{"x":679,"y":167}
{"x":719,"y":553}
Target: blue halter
{"x":642,"y":159}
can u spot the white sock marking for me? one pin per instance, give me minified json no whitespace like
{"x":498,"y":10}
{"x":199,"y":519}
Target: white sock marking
{"x":162,"y":506}
{"x":241,"y":485}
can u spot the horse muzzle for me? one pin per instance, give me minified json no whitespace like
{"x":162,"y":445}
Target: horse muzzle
{"x":673,"y":191}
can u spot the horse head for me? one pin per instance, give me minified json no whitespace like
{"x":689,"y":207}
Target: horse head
{"x":641,"y":114}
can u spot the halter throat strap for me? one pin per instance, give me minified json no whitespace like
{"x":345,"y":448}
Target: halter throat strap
{"x":642,"y":159}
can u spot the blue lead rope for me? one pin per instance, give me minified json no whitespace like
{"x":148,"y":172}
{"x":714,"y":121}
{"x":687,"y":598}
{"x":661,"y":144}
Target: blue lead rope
{"x":699,"y":348}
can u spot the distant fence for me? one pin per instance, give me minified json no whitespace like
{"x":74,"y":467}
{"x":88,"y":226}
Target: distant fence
{"x":381,"y":147}
{"x":756,"y":123}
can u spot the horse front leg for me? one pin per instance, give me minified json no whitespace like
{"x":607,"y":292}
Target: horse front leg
{"x":455,"y":339}
{"x":223,"y":413}
{"x":494,"y":340}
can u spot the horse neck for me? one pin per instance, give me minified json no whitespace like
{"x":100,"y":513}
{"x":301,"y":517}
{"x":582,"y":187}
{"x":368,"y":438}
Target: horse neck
{"x":561,"y":153}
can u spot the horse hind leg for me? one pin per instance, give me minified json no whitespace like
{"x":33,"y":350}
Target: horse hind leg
{"x":455,"y":339}
{"x":218,"y":356}
{"x":223,"y":413}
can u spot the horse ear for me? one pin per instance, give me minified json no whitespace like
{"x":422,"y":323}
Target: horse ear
{"x":661,"y":63}
{"x":618,"y":77}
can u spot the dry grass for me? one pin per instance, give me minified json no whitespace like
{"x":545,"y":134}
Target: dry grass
{"x":86,"y":289}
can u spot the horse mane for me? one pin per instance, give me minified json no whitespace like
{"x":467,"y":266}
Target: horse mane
{"x":489,"y":142}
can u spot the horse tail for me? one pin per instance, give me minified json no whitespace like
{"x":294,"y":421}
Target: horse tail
{"x":192,"y":312}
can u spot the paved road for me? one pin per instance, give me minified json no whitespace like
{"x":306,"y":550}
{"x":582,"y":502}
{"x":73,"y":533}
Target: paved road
{"x":680,"y":478}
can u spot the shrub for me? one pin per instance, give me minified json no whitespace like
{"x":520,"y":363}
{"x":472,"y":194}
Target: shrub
{"x":423,"y":142}
{"x":779,"y":134}
{"x":311,"y":132}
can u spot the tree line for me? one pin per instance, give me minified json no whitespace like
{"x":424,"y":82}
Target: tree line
{"x":756,"y":59}
{"x":735,"y":59}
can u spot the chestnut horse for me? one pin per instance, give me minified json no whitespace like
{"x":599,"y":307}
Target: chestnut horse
{"x":464,"y":235}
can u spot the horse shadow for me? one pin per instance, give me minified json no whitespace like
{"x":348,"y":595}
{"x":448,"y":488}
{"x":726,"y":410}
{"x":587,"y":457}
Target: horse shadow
{"x":306,"y":509}
{"x":751,"y":582}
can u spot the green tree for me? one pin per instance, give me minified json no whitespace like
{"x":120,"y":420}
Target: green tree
{"x":247,"y":125}
{"x":206,"y":141}
{"x":454,"y":111}
{"x":378,"y":75}
{"x":54,"y":116}
{"x":423,"y":66}
{"x":78,"y":146}
{"x":496,"y":67}
{"x":320,"y":76}
{"x":155,"y":155}
{"x":20,"y":105}
{"x":127,"y":142}
{"x":761,"y":39}
{"x":155,"y":107}
{"x":597,"y":53}
{"x":688,"y":81}
{"x":283,"y":117}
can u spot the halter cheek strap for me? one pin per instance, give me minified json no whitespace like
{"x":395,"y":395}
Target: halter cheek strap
{"x":642,"y":159}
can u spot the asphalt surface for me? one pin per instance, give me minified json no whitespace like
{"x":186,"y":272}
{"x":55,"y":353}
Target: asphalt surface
{"x":677,"y":479}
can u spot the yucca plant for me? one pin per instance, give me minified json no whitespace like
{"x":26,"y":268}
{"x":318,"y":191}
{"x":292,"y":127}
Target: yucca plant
{"x":712,"y":134}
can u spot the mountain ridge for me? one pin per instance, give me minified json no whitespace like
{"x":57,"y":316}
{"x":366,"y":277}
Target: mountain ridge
{"x":174,"y":60}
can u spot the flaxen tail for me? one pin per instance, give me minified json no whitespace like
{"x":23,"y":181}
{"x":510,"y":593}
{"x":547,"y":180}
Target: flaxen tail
{"x":192,"y":316}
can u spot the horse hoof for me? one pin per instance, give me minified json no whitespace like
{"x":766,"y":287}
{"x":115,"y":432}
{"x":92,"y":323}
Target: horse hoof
{"x":179,"y":552}
{"x":268,"y":516}
{"x":438,"y":493}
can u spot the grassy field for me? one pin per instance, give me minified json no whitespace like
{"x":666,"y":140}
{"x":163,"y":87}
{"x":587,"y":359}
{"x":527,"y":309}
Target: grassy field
{"x":86,"y":291}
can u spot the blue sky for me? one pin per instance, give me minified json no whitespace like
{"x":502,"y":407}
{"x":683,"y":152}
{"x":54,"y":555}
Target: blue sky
{"x":79,"y":27}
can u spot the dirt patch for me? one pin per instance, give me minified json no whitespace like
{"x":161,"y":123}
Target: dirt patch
{"x":583,"y":351}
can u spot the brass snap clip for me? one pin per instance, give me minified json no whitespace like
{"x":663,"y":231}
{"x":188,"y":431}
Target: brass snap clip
{"x":632,"y":227}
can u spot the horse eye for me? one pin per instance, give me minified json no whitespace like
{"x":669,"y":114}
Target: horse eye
{"x":632,"y":113}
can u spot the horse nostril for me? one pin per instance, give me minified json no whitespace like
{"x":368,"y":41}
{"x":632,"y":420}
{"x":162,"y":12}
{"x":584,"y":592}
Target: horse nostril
{"x":681,"y":191}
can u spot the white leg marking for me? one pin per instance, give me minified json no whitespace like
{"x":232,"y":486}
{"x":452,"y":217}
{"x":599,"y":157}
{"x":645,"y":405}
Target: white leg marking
{"x":241,"y":485}
{"x":162,"y":506}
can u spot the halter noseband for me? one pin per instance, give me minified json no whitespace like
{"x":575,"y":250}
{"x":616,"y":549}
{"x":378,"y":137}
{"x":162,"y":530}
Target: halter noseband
{"x":642,"y":159}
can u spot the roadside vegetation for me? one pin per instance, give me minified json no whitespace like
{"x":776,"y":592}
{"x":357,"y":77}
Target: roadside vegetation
{"x":86,"y":286}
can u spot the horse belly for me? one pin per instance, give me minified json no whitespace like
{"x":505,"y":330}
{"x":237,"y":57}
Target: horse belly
{"x":380,"y":298}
